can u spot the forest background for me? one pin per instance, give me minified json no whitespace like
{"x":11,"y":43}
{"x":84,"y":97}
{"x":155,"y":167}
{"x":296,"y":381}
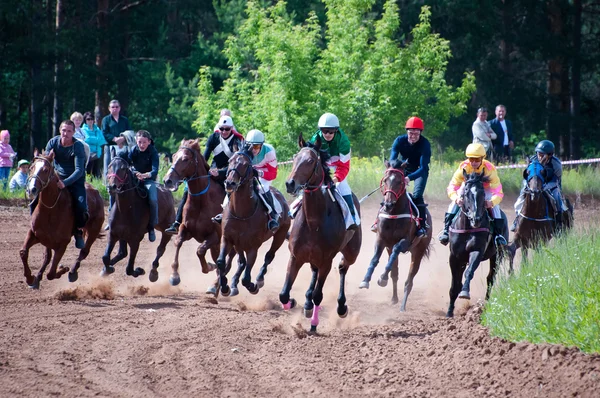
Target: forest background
{"x":278,"y":65}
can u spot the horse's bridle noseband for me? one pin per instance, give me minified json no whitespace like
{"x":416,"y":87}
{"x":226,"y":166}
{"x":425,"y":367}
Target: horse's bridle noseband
{"x":306,"y":187}
{"x":36,"y":177}
{"x":243,"y":178}
{"x":402,"y":189}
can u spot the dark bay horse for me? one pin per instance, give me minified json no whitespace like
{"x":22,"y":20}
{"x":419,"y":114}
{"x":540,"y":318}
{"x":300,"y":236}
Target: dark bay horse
{"x":319,"y":231}
{"x":245,"y":224}
{"x":471,"y":240}
{"x":129,"y":216}
{"x":205,"y":196}
{"x":396,"y":232}
{"x":52,"y":221}
{"x":536,"y":222}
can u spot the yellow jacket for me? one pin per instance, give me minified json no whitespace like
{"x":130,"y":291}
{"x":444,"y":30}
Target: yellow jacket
{"x":493,"y":185}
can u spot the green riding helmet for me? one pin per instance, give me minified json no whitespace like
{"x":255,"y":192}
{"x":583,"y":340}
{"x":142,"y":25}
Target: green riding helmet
{"x":546,"y":147}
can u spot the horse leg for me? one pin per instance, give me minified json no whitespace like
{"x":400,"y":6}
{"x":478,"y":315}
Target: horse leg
{"x":278,"y":240}
{"x":474,"y":261}
{"x":247,"y":279}
{"x":394,"y":276}
{"x":174,"y":280}
{"x":83,"y":253}
{"x":211,"y":242}
{"x":53,"y":274}
{"x":30,"y":240}
{"x":160,"y":251}
{"x":121,"y":254}
{"x":342,"y":308}
{"x":225,"y":249}
{"x":308,"y":304}
{"x":491,"y":275}
{"x":47,"y":257}
{"x":318,"y":296}
{"x":129,"y":270}
{"x":236,"y":277}
{"x":398,"y":247}
{"x":415,"y":264}
{"x":456,"y":284}
{"x":108,"y":268}
{"x":290,"y":277}
{"x":374,"y":261}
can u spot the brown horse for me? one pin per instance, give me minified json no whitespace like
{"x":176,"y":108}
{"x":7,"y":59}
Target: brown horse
{"x":129,"y":216}
{"x":319,"y":231}
{"x":52,"y":221}
{"x":536,"y":222}
{"x":205,"y":196}
{"x":396,"y":232}
{"x":245,"y":224}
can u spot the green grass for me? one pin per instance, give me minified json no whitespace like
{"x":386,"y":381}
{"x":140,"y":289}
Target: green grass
{"x":554,"y":298}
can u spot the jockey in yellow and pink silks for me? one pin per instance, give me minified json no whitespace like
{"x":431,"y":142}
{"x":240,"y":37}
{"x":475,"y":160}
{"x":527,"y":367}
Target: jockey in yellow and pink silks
{"x":493,"y":191}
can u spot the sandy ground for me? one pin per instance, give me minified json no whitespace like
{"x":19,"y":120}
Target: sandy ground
{"x":126,"y":337}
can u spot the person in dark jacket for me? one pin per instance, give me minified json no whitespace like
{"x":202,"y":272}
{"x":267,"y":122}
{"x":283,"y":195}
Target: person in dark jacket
{"x":503,"y":143}
{"x":143,"y":159}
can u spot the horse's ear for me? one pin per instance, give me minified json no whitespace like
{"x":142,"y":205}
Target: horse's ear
{"x":318,"y":143}
{"x":404,"y":164}
{"x":36,"y":152}
{"x":51,"y":155}
{"x":301,"y":142}
{"x":465,"y":174}
{"x":525,"y":173}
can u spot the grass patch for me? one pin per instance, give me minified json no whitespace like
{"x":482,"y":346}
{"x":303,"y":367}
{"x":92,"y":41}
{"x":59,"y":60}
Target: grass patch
{"x":554,"y":298}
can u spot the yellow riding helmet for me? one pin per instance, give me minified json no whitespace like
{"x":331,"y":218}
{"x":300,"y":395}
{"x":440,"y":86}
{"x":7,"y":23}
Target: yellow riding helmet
{"x":475,"y":151}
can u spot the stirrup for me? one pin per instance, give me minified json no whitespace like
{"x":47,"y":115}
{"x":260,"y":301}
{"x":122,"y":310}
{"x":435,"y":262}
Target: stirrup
{"x":500,"y":240}
{"x":79,"y":242}
{"x":374,"y":228}
{"x":421,"y":232}
{"x":173,"y":229}
{"x":272,"y":225}
{"x":444,"y":238}
{"x":217,"y":219}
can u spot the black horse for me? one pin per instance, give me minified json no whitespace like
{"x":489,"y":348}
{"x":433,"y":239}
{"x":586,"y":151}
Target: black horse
{"x":471,"y":240}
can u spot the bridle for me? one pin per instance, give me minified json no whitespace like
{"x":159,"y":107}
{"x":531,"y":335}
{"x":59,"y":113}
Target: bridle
{"x":306,"y":186}
{"x":51,"y":175}
{"x":469,"y":217}
{"x":194,"y":176}
{"x":243,"y":177}
{"x":401,"y":191}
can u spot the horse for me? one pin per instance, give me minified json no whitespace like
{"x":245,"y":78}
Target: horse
{"x":205,"y":196}
{"x":244,"y":226}
{"x":129,"y":216}
{"x":536,"y":223}
{"x":53,"y":219}
{"x":396,"y":232}
{"x":471,"y":239}
{"x":319,"y":231}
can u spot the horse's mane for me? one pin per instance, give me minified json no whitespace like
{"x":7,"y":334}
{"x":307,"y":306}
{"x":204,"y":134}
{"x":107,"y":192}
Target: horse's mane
{"x":193,"y":144}
{"x":475,"y":178}
{"x":325,"y":156}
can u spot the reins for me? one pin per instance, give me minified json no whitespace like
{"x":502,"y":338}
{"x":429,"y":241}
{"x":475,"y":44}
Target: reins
{"x":194,"y":176}
{"x":44,"y":184}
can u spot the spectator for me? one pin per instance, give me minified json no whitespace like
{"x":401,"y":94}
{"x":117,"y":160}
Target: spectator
{"x":504,"y":143}
{"x":483,"y":133}
{"x":112,"y":127}
{"x":19,"y":180}
{"x":95,"y":140}
{"x":7,"y":154}
{"x":77,"y":118}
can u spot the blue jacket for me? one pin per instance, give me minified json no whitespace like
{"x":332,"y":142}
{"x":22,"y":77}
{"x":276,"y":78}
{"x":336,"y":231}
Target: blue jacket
{"x":418,"y":155}
{"x":94,"y":138}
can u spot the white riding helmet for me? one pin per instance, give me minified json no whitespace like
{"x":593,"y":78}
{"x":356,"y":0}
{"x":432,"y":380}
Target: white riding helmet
{"x":255,"y":137}
{"x":329,"y":120}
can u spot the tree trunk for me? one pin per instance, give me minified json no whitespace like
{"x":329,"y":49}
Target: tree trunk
{"x":574,"y":127}
{"x":101,"y":61}
{"x":58,"y":67}
{"x":123,"y":69}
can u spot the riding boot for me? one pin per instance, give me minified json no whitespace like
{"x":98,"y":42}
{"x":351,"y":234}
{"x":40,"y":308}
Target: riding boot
{"x":79,"y":242}
{"x":422,"y":231}
{"x":272,"y":224}
{"x":217,"y":219}
{"x":374,"y":226}
{"x":558,"y":221}
{"x":174,"y":228}
{"x":350,"y":202}
{"x":444,"y":238}
{"x":498,"y":232}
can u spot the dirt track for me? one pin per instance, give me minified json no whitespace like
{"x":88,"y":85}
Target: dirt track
{"x":124,"y":337}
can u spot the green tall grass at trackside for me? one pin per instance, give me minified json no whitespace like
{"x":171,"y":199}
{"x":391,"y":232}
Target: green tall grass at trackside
{"x":554,"y":298}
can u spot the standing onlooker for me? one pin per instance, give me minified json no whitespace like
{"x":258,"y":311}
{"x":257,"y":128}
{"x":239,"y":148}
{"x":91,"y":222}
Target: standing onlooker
{"x":95,"y":139}
{"x":112,"y":127}
{"x":19,"y":180}
{"x":77,"y":118}
{"x":504,"y":144}
{"x":7,"y":154}
{"x":483,"y":133}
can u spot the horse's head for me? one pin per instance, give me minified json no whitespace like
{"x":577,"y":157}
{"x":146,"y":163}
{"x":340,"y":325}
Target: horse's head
{"x":473,"y":196}
{"x":309,"y":171}
{"x":534,"y":175}
{"x":187,"y":163}
{"x":41,"y":172}
{"x":118,"y":174}
{"x":240,"y":170}
{"x":392,"y":185}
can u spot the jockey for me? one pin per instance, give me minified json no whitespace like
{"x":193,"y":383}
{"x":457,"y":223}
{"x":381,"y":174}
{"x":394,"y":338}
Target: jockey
{"x":552,"y":185}
{"x":414,"y":149}
{"x":143,"y":159}
{"x":493,"y":191}
{"x":69,"y":163}
{"x":337,"y":144}
{"x":222,"y":144}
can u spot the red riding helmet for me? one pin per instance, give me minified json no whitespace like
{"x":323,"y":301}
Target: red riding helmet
{"x":414,"y":123}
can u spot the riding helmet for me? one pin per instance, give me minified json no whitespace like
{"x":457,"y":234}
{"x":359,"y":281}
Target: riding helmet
{"x":546,"y":147}
{"x":415,"y":123}
{"x":328,"y":120}
{"x":255,"y":137}
{"x":475,"y":151}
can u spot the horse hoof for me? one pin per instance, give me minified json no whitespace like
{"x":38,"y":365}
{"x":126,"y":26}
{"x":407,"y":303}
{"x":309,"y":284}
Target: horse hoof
{"x":35,"y":284}
{"x":394,"y":301}
{"x":363,"y":285}
{"x":73,"y":276}
{"x":138,"y":272}
{"x":260,"y":283}
{"x":153,"y":277}
{"x":234,"y":291}
{"x":308,"y":313}
{"x":464,"y":295}
{"x":313,"y":329}
{"x":343,"y":311}
{"x":212,"y":290}
{"x":225,"y":291}
{"x":382,"y":282}
{"x":254,"y":291}
{"x":293,"y":303}
{"x":174,"y":280}
{"x":107,"y":270}
{"x":449,"y":315}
